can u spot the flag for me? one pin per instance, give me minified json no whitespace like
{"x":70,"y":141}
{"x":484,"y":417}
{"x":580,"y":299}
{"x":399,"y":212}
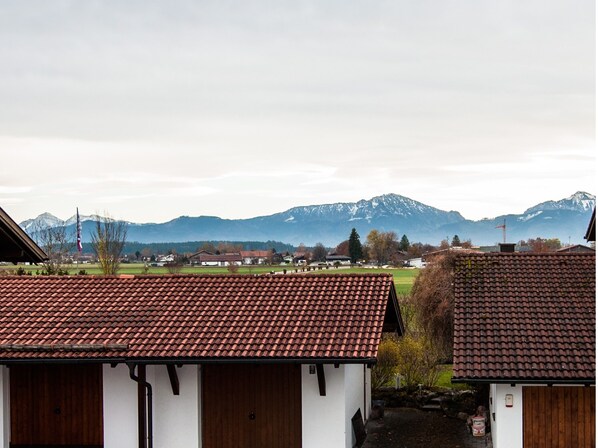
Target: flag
{"x":79,"y":245}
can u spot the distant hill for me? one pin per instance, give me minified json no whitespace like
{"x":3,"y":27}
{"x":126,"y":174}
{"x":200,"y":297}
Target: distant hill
{"x":566,"y":219}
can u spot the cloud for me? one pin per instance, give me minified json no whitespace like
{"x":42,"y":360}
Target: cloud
{"x":244,"y":108}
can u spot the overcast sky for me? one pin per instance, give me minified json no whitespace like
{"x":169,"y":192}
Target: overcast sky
{"x":151,"y":110}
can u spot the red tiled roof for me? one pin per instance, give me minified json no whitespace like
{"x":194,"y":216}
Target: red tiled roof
{"x":256,"y":253}
{"x":451,"y":250}
{"x":525,"y":317}
{"x":334,"y":317}
{"x":577,"y":248}
{"x":222,"y":257}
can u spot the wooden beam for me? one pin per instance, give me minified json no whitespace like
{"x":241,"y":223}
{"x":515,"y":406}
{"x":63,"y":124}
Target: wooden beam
{"x":174,"y":379}
{"x":321,"y":379}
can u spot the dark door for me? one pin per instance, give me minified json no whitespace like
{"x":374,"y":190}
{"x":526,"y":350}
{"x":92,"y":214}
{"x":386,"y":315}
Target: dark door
{"x":251,"y":406}
{"x":56,"y":405}
{"x":559,"y":417}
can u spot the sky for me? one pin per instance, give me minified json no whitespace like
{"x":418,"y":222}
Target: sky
{"x":146,"y":110}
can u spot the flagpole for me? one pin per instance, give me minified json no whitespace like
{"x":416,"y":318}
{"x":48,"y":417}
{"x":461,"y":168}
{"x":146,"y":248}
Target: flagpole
{"x":79,"y":244}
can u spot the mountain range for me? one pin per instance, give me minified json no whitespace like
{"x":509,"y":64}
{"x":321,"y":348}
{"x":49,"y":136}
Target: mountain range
{"x":566,"y":219}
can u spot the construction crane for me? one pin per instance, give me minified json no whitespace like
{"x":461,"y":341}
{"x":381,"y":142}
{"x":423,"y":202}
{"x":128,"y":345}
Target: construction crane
{"x":503,"y":226}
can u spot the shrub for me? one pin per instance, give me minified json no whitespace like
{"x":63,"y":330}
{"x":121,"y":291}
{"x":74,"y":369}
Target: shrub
{"x":174,"y":267}
{"x":386,"y":368}
{"x":408,"y":313}
{"x":417,"y":362}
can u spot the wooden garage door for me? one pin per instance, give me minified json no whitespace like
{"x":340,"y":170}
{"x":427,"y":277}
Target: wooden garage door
{"x":559,"y":417}
{"x":56,"y":405}
{"x":251,"y":406}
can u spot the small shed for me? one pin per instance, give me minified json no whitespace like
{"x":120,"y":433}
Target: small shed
{"x":333,"y":259}
{"x":181,"y":361}
{"x":525,"y":325}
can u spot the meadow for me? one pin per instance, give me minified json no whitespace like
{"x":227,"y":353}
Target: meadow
{"x":403,"y":278}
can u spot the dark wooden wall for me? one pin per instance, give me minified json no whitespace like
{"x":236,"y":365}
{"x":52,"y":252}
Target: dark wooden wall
{"x":56,"y":405}
{"x":559,"y":417}
{"x":251,"y":406}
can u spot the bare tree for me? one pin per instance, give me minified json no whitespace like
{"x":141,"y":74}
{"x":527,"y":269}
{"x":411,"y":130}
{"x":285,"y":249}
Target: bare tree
{"x":542,"y":244}
{"x":343,"y":248}
{"x":319,"y":253}
{"x":433,"y":301}
{"x":175,"y":266}
{"x":57,"y":244}
{"x":382,"y":246}
{"x":108,"y":242}
{"x":225,"y":247}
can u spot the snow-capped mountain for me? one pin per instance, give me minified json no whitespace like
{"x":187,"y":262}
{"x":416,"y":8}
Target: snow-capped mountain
{"x":49,"y":220}
{"x":42,"y":221}
{"x":579,"y":202}
{"x":388,"y":205}
{"x":329,"y":222}
{"x":566,"y":219}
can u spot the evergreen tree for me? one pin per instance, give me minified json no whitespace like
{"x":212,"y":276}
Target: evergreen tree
{"x":404,"y":244}
{"x":355,"y":249}
{"x":456,"y":241}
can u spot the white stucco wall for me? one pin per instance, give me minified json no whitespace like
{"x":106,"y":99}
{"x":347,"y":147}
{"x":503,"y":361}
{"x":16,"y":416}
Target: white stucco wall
{"x":507,"y":423}
{"x":355,"y":398}
{"x":4,"y":407}
{"x":323,"y":418}
{"x":326,"y":420}
{"x":176,"y":417}
{"x":120,"y":407}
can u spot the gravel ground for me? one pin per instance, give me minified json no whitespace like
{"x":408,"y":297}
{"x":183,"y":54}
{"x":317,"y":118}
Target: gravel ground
{"x":412,"y":428}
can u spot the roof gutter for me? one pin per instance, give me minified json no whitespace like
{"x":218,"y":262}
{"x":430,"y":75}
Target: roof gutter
{"x":188,"y":361}
{"x":144,"y":412}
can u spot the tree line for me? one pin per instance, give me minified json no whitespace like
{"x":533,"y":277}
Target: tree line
{"x":109,"y":244}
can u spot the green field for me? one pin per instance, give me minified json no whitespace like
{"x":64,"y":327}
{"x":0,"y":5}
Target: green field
{"x":444,"y":379}
{"x":403,"y":278}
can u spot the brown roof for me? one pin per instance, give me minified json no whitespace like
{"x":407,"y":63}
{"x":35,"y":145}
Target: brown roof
{"x":525,"y":317}
{"x":201,"y":252}
{"x":15,"y":244}
{"x":576,"y":248}
{"x":196,"y":318}
{"x":221,"y":257}
{"x":451,"y":250}
{"x":256,"y":253}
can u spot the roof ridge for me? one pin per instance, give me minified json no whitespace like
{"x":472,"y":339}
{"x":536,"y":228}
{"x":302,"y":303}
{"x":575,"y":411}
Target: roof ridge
{"x":196,"y":317}
{"x":194,"y":275}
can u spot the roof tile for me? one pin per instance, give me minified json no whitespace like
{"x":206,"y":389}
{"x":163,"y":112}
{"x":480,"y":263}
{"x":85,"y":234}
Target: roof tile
{"x":297,"y":317}
{"x":525,"y":317}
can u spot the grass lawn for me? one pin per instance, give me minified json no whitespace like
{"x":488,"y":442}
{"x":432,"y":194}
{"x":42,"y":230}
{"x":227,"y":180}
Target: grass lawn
{"x":403,"y":278}
{"x":444,"y":380}
{"x":138,"y":268}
